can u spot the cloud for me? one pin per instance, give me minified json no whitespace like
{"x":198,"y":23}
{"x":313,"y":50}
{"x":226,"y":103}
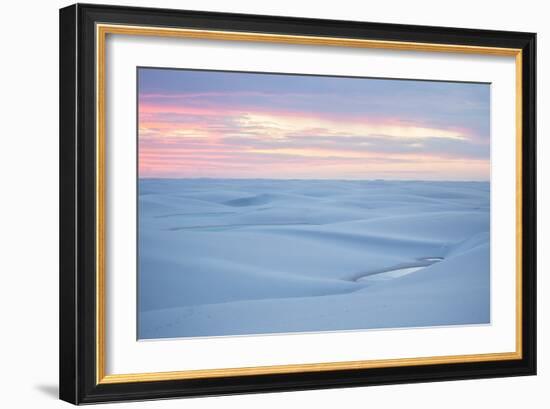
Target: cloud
{"x":387,"y":128}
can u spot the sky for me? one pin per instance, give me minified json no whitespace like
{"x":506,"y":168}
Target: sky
{"x":213,"y":124}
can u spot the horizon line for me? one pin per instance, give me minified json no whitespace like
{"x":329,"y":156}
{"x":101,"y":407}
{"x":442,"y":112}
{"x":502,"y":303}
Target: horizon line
{"x":316,"y":179}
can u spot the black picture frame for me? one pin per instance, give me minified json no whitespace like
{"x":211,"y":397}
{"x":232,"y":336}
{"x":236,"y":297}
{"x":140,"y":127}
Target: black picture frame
{"x":78,"y":308}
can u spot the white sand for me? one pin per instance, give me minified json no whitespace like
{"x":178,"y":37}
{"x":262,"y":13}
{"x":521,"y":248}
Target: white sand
{"x":228,"y":257}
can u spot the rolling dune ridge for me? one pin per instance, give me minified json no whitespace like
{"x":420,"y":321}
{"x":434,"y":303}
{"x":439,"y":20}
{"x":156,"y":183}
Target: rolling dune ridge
{"x":234,"y":257}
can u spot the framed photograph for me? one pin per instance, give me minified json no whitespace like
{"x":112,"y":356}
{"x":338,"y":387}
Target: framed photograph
{"x":257,"y":203}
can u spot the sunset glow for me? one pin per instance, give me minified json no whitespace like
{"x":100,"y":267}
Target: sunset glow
{"x":240,"y":125}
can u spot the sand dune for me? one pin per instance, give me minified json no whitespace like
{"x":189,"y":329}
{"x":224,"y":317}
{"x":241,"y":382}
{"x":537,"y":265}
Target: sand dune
{"x":233,"y":257}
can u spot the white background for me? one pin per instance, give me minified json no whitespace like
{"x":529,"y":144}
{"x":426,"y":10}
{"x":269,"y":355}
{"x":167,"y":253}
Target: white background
{"x":29,"y":205}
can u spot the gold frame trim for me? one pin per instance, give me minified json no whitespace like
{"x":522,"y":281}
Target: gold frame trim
{"x":101,"y":33}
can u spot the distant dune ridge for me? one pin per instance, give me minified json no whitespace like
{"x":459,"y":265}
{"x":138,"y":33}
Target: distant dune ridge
{"x":234,"y":257}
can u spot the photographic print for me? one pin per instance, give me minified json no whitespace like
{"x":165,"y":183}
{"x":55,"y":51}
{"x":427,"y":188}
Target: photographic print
{"x":279,"y":203}
{"x":255,"y":204}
